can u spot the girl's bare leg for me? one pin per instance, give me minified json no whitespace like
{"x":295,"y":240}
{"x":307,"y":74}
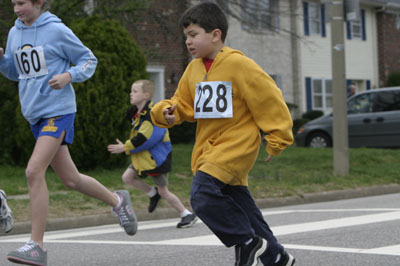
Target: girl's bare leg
{"x":69,"y":174}
{"x":43,"y":153}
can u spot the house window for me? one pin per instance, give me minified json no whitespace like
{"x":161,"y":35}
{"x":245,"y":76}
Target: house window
{"x":314,"y":18}
{"x":356,"y":29}
{"x":156,"y":74}
{"x":260,"y":15}
{"x":322,"y":94}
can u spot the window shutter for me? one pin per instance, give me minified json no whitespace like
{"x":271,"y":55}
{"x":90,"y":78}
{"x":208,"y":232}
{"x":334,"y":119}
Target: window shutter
{"x":276,"y":16}
{"x":323,"y":29}
{"x":348,"y":83}
{"x":368,"y":85}
{"x":306,"y":23}
{"x":348,"y":29}
{"x":308,"y":94}
{"x":364,"y":34}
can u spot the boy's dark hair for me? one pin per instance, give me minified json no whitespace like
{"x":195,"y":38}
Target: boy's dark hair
{"x":207,"y":15}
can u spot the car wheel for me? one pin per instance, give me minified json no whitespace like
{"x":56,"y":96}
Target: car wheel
{"x":318,"y":140}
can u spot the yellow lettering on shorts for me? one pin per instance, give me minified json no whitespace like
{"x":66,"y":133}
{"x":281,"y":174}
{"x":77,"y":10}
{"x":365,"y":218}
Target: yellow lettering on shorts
{"x":50,"y":127}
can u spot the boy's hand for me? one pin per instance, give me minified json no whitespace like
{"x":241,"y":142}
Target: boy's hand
{"x":59,"y":81}
{"x":169,"y":116}
{"x":116,"y":148}
{"x":269,"y":158}
{"x":1,"y":52}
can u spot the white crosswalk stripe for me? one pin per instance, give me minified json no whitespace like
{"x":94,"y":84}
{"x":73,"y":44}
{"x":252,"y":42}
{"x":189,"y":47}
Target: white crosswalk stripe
{"x":382,"y":215}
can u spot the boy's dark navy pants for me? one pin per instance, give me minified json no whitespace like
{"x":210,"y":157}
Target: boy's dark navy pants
{"x":231,"y":213}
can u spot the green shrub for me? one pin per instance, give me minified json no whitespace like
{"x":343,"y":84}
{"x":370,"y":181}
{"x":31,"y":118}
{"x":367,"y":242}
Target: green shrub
{"x":8,"y":109}
{"x":9,"y":106}
{"x":312,"y":114}
{"x":393,"y":79}
{"x":102,"y":101}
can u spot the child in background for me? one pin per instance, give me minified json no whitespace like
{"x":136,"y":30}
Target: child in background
{"x":40,"y":50}
{"x":232,"y":99}
{"x":151,"y":152}
{"x":6,"y":215}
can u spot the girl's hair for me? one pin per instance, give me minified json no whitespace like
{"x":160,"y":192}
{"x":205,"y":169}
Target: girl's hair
{"x":46,"y":4}
{"x":147,"y":86}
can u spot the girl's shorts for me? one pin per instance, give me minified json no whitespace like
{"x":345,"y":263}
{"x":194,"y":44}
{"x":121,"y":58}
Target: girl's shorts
{"x":55,"y":126}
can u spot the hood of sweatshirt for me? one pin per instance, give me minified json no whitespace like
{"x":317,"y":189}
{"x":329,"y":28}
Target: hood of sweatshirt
{"x":43,"y":19}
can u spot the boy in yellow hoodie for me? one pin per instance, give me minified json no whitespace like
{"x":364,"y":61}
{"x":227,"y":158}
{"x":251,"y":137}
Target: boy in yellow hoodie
{"x":232,"y":99}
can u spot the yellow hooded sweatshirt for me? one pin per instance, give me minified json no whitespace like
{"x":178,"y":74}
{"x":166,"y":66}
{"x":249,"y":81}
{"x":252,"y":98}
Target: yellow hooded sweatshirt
{"x":226,"y":148}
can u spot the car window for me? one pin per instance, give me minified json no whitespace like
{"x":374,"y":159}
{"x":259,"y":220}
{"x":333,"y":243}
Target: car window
{"x":386,"y":101}
{"x":360,"y":104}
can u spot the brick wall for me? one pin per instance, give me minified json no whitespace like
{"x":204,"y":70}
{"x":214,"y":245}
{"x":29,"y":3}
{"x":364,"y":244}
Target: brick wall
{"x":388,"y":46}
{"x":161,"y":39}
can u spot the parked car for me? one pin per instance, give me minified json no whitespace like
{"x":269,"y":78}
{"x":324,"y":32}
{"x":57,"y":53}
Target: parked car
{"x":373,"y":121}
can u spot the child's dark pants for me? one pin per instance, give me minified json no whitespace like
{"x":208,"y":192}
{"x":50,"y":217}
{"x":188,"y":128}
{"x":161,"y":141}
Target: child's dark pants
{"x":231,"y":213}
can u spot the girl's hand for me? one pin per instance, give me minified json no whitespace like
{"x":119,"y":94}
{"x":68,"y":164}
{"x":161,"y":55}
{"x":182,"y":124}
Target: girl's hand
{"x":116,"y":148}
{"x":1,"y":52}
{"x":59,"y":81}
{"x":169,"y":116}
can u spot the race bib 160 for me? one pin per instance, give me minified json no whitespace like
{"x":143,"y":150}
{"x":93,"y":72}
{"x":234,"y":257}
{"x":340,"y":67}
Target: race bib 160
{"x":30,"y":63}
{"x":213,"y":100}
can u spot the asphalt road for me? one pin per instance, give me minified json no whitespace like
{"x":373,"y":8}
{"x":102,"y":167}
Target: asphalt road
{"x":355,"y":232}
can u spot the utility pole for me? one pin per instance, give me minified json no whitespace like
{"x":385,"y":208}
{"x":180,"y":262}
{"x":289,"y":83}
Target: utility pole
{"x":340,"y":128}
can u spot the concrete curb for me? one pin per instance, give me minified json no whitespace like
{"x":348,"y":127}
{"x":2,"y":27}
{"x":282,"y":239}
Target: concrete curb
{"x":166,"y":213}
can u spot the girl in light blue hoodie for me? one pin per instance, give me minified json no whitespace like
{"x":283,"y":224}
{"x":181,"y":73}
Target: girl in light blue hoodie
{"x":40,"y":50}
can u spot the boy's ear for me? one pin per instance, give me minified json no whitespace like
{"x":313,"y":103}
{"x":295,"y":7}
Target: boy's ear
{"x":217,"y":35}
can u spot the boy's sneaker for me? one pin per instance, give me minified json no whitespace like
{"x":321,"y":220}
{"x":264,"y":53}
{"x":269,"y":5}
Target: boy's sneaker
{"x":154,"y":202}
{"x":6,"y":215}
{"x":247,"y":255}
{"x":187,"y":221}
{"x":286,"y":260}
{"x":31,"y":254}
{"x":125,"y":214}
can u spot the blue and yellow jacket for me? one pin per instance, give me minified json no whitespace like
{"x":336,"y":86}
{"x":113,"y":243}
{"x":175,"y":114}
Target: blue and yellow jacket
{"x":149,"y":146}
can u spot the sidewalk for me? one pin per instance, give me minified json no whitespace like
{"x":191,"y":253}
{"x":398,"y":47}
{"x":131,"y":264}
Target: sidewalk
{"x":166,"y":213}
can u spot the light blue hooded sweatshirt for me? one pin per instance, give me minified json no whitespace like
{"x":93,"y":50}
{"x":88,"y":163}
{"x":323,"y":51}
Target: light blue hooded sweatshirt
{"x":61,"y":48}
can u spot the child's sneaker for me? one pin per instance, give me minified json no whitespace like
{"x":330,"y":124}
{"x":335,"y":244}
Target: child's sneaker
{"x":6,"y":215}
{"x":286,"y":260}
{"x":31,"y":254}
{"x":154,"y":202}
{"x":187,"y":221}
{"x":125,"y":214}
{"x":247,"y":255}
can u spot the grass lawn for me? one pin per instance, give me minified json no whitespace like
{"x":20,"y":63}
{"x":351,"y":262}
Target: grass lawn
{"x":296,"y":171}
